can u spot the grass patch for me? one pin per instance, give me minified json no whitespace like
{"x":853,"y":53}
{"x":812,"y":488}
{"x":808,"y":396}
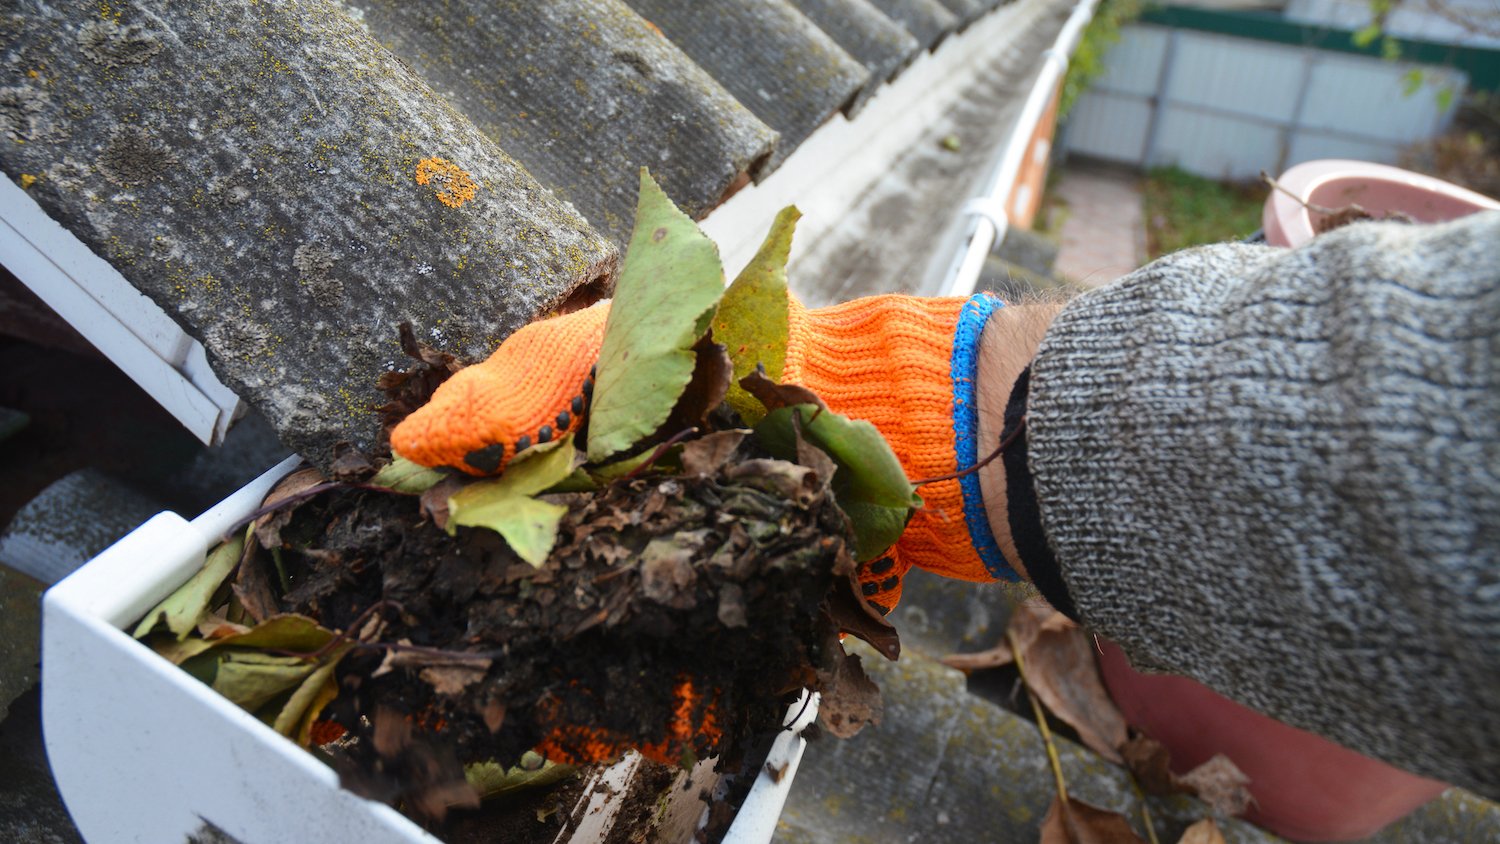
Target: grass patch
{"x":1184,"y":210}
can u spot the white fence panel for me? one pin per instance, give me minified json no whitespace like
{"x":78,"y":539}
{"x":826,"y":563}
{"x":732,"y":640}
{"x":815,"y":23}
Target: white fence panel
{"x":1234,"y":74}
{"x":1227,"y":107}
{"x":1215,"y":145}
{"x":1356,"y":95}
{"x":1133,"y":65}
{"x":1107,"y":127}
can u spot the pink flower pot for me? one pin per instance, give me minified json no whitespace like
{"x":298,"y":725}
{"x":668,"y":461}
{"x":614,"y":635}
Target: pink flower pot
{"x":1377,"y":188}
{"x":1306,"y":788}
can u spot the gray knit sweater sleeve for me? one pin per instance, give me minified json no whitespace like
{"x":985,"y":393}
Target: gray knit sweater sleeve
{"x":1278,"y":472}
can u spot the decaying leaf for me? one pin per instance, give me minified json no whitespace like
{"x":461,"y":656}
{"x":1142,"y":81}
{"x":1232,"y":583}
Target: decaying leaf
{"x":251,"y":678}
{"x":505,"y":504}
{"x":667,"y":575}
{"x":851,"y":700}
{"x":402,"y":475}
{"x":704,"y":391}
{"x":182,"y":609}
{"x":491,"y":780}
{"x":994,"y":657}
{"x":1205,"y":831}
{"x":268,"y":527}
{"x":305,"y":705}
{"x":870,"y":485}
{"x":1217,"y":782}
{"x":1062,"y":671}
{"x":253,"y":584}
{"x":646,"y":359}
{"x":1077,"y":822}
{"x":854,"y":615}
{"x":707,"y":455}
{"x":774,"y":396}
{"x":752,"y":319}
{"x":1220,"y":784}
{"x":1151,"y":765}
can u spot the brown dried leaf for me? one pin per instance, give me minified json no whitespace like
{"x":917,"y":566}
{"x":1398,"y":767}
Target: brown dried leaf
{"x":1151,"y":764}
{"x":252,"y":585}
{"x":350,"y":464}
{"x":774,"y":395}
{"x":706,"y":455}
{"x":268,"y":527}
{"x":851,"y":700}
{"x":1220,"y":784}
{"x":409,"y":390}
{"x":1061,"y":669}
{"x":1078,"y":822}
{"x":705,"y":390}
{"x":667,"y":575}
{"x":854,"y":615}
{"x":454,"y":678}
{"x":1205,"y":831}
{"x":434,"y":502}
{"x":995,"y":657}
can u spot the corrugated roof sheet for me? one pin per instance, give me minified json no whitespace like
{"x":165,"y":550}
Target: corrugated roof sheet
{"x":585,"y":93}
{"x":927,"y":20}
{"x":883,"y":46}
{"x":777,"y":62}
{"x":291,"y":180}
{"x":258,"y":169}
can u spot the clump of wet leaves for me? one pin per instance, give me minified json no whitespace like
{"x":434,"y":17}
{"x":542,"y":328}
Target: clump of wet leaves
{"x":668,"y":585}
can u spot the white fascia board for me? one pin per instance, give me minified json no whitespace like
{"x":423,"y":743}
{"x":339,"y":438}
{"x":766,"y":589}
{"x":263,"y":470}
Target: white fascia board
{"x":120,"y":321}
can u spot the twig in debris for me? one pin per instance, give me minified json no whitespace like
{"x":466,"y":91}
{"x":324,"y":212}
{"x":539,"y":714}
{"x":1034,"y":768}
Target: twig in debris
{"x":660,"y":450}
{"x":1041,"y":721}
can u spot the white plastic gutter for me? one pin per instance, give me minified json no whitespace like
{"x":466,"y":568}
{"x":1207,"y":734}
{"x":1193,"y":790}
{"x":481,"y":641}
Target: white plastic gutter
{"x":992,"y":218}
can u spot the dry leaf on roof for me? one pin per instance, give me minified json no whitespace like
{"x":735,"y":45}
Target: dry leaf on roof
{"x":1077,"y":822}
{"x":1220,"y":784}
{"x":1205,"y":831}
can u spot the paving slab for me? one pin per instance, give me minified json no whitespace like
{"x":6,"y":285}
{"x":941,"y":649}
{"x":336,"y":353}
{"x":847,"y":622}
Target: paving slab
{"x":1103,"y":231}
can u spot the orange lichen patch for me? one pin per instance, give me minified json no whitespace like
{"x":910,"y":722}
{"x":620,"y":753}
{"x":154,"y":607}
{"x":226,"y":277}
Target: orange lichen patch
{"x":324,"y":732}
{"x":451,"y":184}
{"x":694,"y":727}
{"x":27,"y":180}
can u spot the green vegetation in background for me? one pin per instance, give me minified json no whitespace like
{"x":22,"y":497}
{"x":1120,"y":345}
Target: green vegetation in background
{"x":1184,"y":210}
{"x":1088,"y":60}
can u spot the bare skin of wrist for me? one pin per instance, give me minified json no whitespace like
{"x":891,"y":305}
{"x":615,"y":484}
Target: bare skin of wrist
{"x":1006,"y":346}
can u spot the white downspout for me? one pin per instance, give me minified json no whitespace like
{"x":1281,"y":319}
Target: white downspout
{"x":992,"y":217}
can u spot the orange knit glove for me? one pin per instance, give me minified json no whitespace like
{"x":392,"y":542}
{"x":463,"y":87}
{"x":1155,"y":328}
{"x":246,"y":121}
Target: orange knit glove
{"x":904,"y":363}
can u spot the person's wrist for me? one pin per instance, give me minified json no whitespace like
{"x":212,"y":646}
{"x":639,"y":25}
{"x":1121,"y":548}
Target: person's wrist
{"x":1006,"y":347}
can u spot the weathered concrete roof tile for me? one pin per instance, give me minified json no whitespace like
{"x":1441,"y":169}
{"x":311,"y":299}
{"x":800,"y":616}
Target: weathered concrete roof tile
{"x":927,"y":20}
{"x":583,"y":93}
{"x":967,"y":11}
{"x":880,"y":44}
{"x":286,"y":190}
{"x":772,"y":58}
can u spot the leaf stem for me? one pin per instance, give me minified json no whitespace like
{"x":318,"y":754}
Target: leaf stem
{"x":999,"y":450}
{"x":1041,"y":720}
{"x":660,"y":450}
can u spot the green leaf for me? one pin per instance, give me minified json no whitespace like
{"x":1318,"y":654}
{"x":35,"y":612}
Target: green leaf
{"x":290,"y":632}
{"x":319,"y":689}
{"x":870,"y":485}
{"x":1445,"y":97}
{"x":182,"y":609}
{"x":1411,"y":81}
{"x":663,"y":302}
{"x":1390,"y":49}
{"x":490,"y":780}
{"x":402,"y":475}
{"x":505,"y":504}
{"x":1365,"y":37}
{"x":251,"y":679}
{"x":624,"y":466}
{"x":751,"y":321}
